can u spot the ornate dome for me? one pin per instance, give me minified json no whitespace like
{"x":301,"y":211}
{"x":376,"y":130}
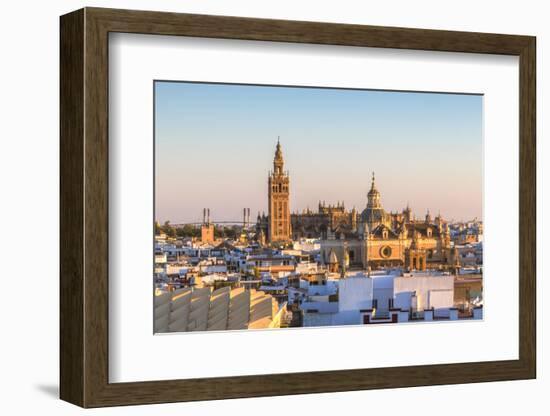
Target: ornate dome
{"x":373,"y":191}
{"x":373,"y":197}
{"x":374,"y":215}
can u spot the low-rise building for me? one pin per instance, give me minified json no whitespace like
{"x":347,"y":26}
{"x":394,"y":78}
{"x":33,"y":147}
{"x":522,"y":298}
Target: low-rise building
{"x":379,"y":298}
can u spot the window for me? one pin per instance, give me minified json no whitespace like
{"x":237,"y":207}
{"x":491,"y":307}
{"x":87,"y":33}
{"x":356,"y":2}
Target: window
{"x":386,"y":252}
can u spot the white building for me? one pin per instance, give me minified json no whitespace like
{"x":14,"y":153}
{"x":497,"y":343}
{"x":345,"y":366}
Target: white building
{"x":338,"y":302}
{"x":379,"y":298}
{"x":422,"y":292}
{"x":307,"y":245}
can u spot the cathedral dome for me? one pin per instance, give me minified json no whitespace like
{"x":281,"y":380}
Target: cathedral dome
{"x":373,"y":197}
{"x":373,"y":191}
{"x":374,"y":214}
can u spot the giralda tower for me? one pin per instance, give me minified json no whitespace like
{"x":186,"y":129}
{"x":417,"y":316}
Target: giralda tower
{"x":279,"y":228}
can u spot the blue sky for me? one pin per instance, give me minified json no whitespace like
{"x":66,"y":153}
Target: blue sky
{"x":214,"y":146}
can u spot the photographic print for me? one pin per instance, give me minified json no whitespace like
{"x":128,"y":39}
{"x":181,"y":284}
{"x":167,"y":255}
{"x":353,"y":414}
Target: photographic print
{"x":288,"y":206}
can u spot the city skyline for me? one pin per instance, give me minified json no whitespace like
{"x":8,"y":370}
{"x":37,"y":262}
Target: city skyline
{"x":426,"y":149}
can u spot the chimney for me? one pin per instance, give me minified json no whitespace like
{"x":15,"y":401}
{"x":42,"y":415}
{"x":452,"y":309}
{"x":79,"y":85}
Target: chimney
{"x":208,"y":216}
{"x":204,"y":215}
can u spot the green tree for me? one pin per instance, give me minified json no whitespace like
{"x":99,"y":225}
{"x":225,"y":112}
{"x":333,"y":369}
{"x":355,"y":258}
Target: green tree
{"x":188,"y":230}
{"x":230,"y":232}
{"x":168,"y":229}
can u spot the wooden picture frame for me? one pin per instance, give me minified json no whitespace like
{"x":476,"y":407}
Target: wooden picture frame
{"x":84,"y":207}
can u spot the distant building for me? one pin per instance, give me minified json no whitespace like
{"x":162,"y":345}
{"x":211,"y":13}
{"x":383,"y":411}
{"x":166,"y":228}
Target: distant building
{"x":316,"y":224}
{"x":279,"y":228}
{"x":276,"y":265}
{"x":467,"y":233}
{"x":207,"y":228}
{"x":373,"y":239}
{"x":383,"y":240}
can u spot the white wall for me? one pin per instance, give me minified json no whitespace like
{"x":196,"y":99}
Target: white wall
{"x":424,"y":287}
{"x":354,"y":294}
{"x":383,"y":291}
{"x":29,"y":172}
{"x":440,"y":299}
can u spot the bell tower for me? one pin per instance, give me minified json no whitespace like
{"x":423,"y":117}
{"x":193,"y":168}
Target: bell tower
{"x":279,"y":228}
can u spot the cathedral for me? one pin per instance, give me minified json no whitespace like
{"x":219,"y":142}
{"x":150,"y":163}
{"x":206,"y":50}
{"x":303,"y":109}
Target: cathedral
{"x":371,"y":239}
{"x":386,"y":239}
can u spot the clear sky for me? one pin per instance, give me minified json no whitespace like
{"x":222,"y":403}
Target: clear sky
{"x":214,"y":146}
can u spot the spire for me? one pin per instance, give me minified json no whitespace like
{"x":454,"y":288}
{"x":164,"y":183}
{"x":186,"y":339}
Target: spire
{"x":373,"y":186}
{"x":373,"y":196}
{"x":278,"y":150}
{"x":278,"y":161}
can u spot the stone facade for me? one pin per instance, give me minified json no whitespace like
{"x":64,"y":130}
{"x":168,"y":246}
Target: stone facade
{"x":207,"y":233}
{"x":327,"y":218}
{"x":207,"y":228}
{"x":279,"y":227}
{"x":383,"y":239}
